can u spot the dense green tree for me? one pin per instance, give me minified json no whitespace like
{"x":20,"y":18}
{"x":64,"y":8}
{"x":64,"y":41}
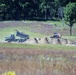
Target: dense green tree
{"x":31,"y":9}
{"x":70,"y":15}
{"x":47,"y":8}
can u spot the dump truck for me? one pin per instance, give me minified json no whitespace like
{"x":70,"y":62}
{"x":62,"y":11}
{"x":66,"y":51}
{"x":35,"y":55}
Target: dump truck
{"x":22,"y":37}
{"x":10,"y":38}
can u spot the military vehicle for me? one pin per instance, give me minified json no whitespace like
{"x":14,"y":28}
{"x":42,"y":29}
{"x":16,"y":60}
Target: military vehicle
{"x":22,"y":37}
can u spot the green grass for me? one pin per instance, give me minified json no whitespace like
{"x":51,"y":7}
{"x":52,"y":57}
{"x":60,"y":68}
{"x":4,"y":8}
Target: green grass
{"x":37,"y":46}
{"x":70,"y":37}
{"x":8,"y":31}
{"x":59,"y":23}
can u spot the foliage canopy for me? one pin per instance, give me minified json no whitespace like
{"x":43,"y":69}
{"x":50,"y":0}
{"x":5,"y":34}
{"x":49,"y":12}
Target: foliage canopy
{"x":70,"y":15}
{"x":30,"y":9}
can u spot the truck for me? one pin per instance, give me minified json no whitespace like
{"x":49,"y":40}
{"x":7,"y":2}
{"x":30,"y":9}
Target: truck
{"x":22,"y":37}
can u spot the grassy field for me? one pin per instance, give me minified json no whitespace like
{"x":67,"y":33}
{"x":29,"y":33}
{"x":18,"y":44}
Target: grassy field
{"x":35,"y":29}
{"x":38,"y":46}
{"x":36,"y":59}
{"x":6,"y":32}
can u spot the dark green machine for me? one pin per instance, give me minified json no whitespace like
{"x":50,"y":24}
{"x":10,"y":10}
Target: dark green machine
{"x":22,"y":37}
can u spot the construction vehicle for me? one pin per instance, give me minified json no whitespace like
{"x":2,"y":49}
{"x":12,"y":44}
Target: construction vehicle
{"x":56,"y":35}
{"x":22,"y":37}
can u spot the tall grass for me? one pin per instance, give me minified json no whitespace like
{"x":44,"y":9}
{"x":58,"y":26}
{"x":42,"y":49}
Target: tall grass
{"x":42,"y":67}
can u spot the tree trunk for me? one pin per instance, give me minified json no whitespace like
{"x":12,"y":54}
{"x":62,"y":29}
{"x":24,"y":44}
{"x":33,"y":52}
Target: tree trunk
{"x":70,"y":31}
{"x":45,"y":12}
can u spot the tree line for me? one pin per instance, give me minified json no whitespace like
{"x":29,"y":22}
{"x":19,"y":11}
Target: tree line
{"x":32,"y":9}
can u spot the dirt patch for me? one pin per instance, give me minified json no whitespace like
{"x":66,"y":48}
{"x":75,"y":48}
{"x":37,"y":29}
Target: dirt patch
{"x":48,"y":41}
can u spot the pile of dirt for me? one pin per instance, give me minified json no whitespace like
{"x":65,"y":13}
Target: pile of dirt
{"x":48,"y":41}
{"x":30,"y":41}
{"x":42,"y":40}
